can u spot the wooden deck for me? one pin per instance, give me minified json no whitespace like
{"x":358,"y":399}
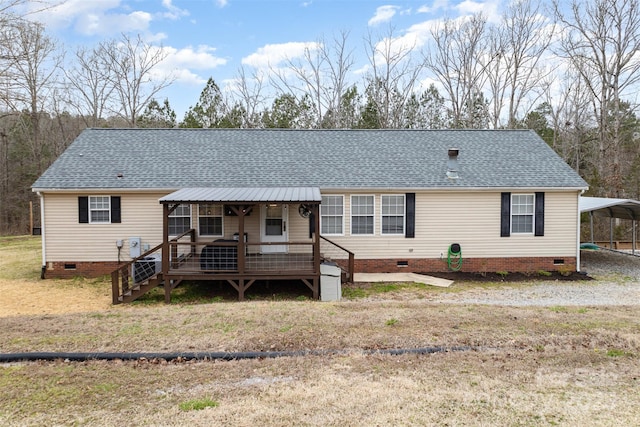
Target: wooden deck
{"x":192,"y":260}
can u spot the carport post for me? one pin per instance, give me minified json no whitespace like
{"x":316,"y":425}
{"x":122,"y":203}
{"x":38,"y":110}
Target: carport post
{"x":633,"y":236}
{"x":610,"y":232}
{"x":591,"y":224}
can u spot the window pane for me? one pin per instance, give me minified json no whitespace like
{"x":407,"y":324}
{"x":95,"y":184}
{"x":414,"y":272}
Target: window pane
{"x":392,"y":214}
{"x":522,"y":211}
{"x":180,"y":220}
{"x":210,"y":210}
{"x":178,"y":225}
{"x":393,"y":225}
{"x":522,"y":224}
{"x":210,"y":219}
{"x":331,"y":214}
{"x":362,"y":208}
{"x":332,"y":225}
{"x":99,"y":216}
{"x":362,"y":225}
{"x":211,"y":226}
{"x":99,"y":209}
{"x":274,"y":227}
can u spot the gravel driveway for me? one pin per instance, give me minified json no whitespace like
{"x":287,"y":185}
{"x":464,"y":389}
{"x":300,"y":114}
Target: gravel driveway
{"x":617,"y":282}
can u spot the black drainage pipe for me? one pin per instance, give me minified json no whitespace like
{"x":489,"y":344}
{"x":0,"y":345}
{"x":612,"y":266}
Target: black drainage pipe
{"x":80,"y":357}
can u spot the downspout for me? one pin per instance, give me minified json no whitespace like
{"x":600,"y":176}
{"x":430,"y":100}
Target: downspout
{"x":42,"y":236}
{"x":578,"y":233}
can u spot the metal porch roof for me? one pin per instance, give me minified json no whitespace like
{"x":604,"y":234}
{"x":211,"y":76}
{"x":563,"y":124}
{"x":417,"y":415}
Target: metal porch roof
{"x":609,"y":207}
{"x":244,"y":195}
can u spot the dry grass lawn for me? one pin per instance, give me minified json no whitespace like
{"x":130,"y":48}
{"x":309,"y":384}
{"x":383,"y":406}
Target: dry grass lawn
{"x":538,"y":366}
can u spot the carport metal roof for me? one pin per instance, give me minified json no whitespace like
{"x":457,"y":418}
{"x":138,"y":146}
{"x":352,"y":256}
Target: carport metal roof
{"x":245,"y":195}
{"x":611,"y":208}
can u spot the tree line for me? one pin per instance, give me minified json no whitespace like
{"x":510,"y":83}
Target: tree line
{"x":568,"y":71}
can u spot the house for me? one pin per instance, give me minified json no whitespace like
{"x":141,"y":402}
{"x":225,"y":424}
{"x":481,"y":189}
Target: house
{"x":178,"y":200}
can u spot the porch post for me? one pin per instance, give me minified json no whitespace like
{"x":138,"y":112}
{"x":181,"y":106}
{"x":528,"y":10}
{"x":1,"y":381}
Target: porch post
{"x":315,"y":209}
{"x":165,"y":251}
{"x":241,"y":245}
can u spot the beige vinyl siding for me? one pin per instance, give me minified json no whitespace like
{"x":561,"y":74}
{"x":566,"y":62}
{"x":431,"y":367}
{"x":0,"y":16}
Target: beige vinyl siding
{"x":471,"y":219}
{"x":68,"y":240}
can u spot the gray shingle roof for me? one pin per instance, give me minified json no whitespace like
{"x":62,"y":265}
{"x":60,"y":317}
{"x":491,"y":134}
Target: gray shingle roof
{"x":328,"y":159}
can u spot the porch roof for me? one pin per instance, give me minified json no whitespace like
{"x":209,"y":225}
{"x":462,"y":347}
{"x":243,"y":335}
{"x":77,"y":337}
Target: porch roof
{"x":244,"y":195}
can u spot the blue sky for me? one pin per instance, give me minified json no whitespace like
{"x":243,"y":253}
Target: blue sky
{"x":213,"y":38}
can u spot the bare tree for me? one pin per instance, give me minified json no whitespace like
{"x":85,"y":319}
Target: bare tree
{"x":320,"y":77}
{"x":393,"y":76}
{"x":602,"y":41}
{"x":131,"y":64}
{"x":566,"y":104}
{"x":459,"y":60}
{"x":89,"y":84}
{"x":32,"y":81}
{"x":517,"y":48}
{"x":249,"y":91}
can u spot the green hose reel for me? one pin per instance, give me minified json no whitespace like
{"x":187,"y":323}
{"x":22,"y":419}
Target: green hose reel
{"x":454,"y":257}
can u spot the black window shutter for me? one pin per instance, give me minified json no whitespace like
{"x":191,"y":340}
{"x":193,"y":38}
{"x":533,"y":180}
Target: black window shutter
{"x":312,"y":224}
{"x":116,"y":216}
{"x":539,"y":225}
{"x":505,"y":215}
{"x":83,"y":209}
{"x":410,"y":201}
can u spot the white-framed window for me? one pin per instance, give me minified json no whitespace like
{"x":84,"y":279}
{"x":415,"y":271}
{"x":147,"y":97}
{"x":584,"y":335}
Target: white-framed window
{"x":210,"y":218}
{"x":99,"y":209}
{"x":180,"y":220}
{"x":392,"y":214}
{"x":332,"y":215}
{"x":522,"y":213}
{"x":362,"y":214}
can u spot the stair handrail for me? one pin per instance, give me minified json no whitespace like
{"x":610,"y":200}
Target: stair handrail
{"x":120,"y":276}
{"x":350,"y":264}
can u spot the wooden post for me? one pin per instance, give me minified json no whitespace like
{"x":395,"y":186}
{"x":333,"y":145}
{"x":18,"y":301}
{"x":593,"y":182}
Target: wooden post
{"x":316,"y":238}
{"x":241,"y":245}
{"x":30,"y":217}
{"x":165,"y":251}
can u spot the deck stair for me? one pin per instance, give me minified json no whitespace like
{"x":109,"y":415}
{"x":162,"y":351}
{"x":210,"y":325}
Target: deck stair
{"x":125,"y":289}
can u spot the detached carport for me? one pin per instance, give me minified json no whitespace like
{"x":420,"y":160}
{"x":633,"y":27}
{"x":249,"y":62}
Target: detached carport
{"x":611,"y":208}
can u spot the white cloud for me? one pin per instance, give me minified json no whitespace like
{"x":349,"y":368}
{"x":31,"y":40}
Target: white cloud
{"x":383,"y":14}
{"x":64,"y":14}
{"x":106,"y":24}
{"x":173,"y":12}
{"x":490,"y":9}
{"x":272,"y":54}
{"x":183,"y":63}
{"x":222,"y":3}
{"x":101,"y":17}
{"x":435,"y":7}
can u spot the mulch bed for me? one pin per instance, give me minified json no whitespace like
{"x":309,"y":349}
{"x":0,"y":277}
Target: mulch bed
{"x":461,"y":276}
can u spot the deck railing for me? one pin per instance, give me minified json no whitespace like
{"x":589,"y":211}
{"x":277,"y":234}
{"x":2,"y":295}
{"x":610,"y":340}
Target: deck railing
{"x":223,"y":256}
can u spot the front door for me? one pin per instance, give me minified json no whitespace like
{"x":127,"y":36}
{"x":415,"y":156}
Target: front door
{"x":273,"y":228}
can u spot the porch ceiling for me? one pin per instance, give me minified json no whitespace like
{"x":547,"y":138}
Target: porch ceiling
{"x":244,"y":195}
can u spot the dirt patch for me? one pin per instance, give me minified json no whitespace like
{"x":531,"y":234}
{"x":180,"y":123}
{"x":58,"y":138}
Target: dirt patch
{"x":26,"y":297}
